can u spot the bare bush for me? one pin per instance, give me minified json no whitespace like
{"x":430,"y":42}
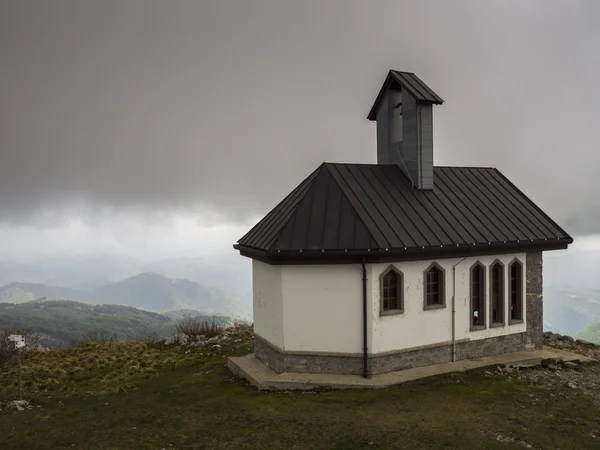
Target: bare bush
{"x":193,"y":327}
{"x":7,"y":348}
{"x":100,"y":336}
{"x":148,"y":336}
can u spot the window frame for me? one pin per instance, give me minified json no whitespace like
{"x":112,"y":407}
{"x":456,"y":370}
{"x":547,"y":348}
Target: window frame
{"x":441,"y":287}
{"x":501,"y":294}
{"x":519,"y":291}
{"x":400,"y":291}
{"x":482,"y":295}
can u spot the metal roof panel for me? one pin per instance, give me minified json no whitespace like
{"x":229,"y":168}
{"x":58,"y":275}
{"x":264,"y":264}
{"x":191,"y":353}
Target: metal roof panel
{"x":362,"y":207}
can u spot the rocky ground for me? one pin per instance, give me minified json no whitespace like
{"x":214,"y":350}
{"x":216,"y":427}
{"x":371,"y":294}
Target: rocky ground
{"x":236,"y":334}
{"x":558,"y":376}
{"x":573,"y":345}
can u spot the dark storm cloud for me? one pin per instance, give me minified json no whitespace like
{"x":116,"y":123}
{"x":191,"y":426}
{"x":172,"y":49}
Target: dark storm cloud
{"x":221,"y":105}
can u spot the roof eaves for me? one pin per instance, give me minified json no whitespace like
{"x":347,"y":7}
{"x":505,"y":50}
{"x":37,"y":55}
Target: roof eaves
{"x":434,"y":252}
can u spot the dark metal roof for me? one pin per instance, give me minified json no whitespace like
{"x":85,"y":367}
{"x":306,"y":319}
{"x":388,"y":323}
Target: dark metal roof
{"x":367,"y":209}
{"x":410,"y":82}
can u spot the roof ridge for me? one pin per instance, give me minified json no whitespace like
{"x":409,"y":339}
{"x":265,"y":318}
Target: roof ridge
{"x":358,"y":211}
{"x":442,"y":166}
{"x":464,"y":167}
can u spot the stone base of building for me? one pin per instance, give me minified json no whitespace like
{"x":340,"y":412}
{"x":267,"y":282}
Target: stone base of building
{"x":332,"y":363}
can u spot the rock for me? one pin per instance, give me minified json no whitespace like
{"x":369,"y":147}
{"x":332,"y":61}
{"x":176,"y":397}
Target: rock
{"x":587,"y":343}
{"x":19,"y":405}
{"x":572,"y":385}
{"x":552,"y":367}
{"x":217,"y":346}
{"x":180,"y":339}
{"x":567,"y":339}
{"x":546,"y":362}
{"x":570,"y":365}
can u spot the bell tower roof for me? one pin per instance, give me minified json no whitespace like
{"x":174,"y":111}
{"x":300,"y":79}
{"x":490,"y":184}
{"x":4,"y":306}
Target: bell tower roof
{"x":405,"y":81}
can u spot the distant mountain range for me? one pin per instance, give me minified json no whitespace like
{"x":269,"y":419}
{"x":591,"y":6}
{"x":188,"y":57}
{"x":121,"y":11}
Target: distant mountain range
{"x":229,"y":272}
{"x":147,"y":290}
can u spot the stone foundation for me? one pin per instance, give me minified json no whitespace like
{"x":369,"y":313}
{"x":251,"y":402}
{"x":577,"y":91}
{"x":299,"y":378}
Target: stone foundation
{"x":332,"y":363}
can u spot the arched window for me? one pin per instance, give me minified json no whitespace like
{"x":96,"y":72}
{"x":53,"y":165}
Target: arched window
{"x":516,"y":291}
{"x":391,"y":283}
{"x":434,"y":287}
{"x":497,"y":294}
{"x":477,"y":296}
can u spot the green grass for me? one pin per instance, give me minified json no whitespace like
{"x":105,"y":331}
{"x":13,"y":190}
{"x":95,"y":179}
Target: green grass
{"x":109,"y":397}
{"x":591,"y":334}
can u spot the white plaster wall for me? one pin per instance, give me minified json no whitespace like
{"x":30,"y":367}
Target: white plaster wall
{"x":322,"y":308}
{"x":416,"y":326}
{"x":267,"y":302}
{"x":318,"y":308}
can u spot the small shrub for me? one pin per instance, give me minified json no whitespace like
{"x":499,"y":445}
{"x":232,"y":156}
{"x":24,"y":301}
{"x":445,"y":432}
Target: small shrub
{"x":196,"y":326}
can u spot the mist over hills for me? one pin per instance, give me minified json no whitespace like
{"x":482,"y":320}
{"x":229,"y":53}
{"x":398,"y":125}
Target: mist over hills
{"x":576,"y":268}
{"x":146,"y":290}
{"x":572,"y":293}
{"x":228,"y":272}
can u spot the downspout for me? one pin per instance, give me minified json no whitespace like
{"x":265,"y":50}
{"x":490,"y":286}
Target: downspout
{"x":454,"y":309}
{"x":419,"y":147}
{"x":365,"y":354}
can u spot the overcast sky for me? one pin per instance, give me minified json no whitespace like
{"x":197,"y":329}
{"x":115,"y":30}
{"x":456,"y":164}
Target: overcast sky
{"x":160,"y":128}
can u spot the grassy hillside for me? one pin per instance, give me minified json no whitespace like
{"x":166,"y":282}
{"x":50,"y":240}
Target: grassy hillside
{"x":591,"y":334}
{"x":131,"y":395}
{"x":147,"y":290}
{"x":66,"y":321}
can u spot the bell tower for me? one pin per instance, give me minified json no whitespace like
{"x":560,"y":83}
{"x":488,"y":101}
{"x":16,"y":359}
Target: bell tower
{"x":403,"y":111}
